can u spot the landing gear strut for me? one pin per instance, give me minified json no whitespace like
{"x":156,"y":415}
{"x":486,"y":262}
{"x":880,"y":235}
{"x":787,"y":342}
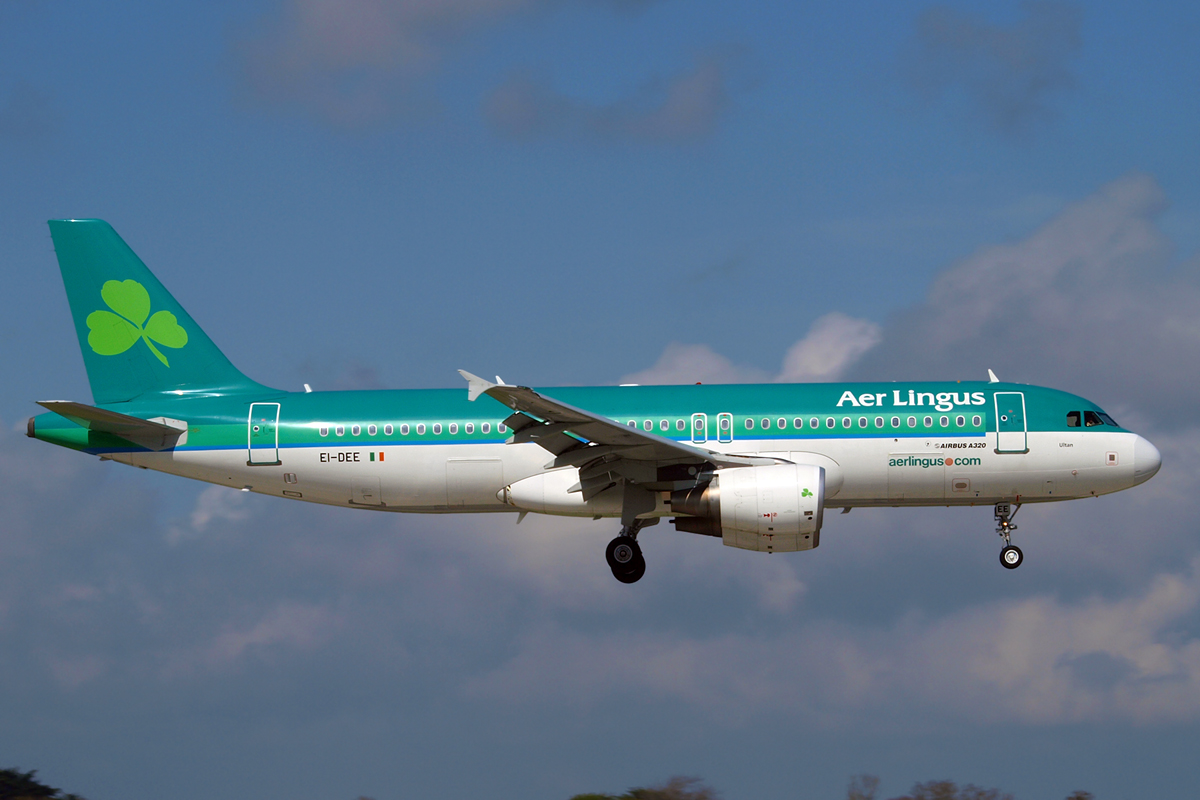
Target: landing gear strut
{"x":624,"y":555}
{"x":1011,"y":556}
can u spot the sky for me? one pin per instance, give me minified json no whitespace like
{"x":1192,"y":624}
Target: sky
{"x":367,"y":194}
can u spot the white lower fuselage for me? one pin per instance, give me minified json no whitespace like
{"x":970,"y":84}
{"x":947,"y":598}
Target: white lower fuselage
{"x":457,"y":478}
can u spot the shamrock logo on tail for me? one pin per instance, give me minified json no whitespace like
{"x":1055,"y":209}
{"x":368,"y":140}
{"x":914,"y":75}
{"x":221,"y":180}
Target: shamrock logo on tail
{"x":112,"y":334}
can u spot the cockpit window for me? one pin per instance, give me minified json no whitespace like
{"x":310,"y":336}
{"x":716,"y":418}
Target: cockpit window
{"x":1108,"y":420}
{"x":1073,"y":419}
{"x":1091,"y":419}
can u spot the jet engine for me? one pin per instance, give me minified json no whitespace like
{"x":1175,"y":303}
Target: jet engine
{"x":772,"y":509}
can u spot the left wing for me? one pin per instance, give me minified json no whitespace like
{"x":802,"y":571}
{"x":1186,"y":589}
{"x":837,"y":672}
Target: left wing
{"x":604,"y":450}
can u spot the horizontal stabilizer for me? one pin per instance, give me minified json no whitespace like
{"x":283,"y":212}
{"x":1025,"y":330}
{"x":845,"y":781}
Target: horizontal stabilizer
{"x":159,"y":433}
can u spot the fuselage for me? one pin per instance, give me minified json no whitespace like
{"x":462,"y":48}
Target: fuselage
{"x":432,"y":451}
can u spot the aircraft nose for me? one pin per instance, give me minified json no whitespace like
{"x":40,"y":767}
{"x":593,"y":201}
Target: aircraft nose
{"x":1146,"y":460}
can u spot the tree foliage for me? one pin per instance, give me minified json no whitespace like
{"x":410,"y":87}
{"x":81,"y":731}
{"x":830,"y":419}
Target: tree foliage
{"x":17,"y":785}
{"x":677,"y":788}
{"x":864,"y":787}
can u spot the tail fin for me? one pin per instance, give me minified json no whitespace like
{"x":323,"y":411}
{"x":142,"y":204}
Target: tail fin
{"x":136,"y":339}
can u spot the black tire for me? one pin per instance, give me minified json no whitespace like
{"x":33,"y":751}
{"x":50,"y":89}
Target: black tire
{"x":621,"y":553}
{"x":633,"y":573}
{"x":1011,"y":557}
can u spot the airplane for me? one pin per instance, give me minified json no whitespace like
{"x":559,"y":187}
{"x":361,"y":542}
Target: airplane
{"x":754,"y":465}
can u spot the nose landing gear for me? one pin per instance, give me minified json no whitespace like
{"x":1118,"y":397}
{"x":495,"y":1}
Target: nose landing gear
{"x":1011,"y":556}
{"x":624,"y":555}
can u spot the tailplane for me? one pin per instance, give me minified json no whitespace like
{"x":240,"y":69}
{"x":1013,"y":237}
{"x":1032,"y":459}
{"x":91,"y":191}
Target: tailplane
{"x":136,"y":339}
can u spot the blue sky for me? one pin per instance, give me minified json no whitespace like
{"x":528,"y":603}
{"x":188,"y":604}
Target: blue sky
{"x":372,"y":193}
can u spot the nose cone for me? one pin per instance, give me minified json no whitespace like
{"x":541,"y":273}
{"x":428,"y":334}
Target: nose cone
{"x":1146,"y":460}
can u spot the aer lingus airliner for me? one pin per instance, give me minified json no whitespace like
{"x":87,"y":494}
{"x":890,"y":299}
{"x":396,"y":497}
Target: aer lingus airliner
{"x":755,"y":465}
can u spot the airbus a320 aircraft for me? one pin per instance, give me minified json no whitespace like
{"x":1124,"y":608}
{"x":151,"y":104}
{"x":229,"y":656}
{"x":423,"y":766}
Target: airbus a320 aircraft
{"x":755,"y":465}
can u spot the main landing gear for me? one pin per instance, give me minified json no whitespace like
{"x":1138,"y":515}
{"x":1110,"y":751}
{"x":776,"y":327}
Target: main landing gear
{"x":625,"y":555}
{"x":1011,"y":556}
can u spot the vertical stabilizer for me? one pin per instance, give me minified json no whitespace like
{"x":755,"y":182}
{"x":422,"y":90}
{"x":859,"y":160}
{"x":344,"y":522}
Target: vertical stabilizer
{"x":136,"y":339}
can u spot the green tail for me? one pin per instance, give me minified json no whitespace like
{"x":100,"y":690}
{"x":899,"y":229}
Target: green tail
{"x":136,"y":339}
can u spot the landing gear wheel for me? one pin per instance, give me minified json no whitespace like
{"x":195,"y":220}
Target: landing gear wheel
{"x":622,"y":552}
{"x":635,"y":572}
{"x":624,"y":557}
{"x":1011,"y":556}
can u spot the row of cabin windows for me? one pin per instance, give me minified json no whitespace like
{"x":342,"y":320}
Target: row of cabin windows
{"x":1090,"y":419}
{"x":405,"y":429}
{"x":815,"y":423}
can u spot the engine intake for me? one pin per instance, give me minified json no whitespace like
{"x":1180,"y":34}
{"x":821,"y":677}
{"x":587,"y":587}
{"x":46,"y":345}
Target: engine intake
{"x":773,"y":509}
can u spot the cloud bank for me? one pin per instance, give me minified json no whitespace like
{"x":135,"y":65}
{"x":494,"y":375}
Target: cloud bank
{"x":1008,"y":74}
{"x":1095,"y":302}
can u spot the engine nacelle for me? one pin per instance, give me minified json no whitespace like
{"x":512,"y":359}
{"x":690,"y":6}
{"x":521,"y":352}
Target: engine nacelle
{"x":773,"y":509}
{"x":550,"y":493}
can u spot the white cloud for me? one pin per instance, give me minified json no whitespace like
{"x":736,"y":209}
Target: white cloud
{"x":832,"y":345}
{"x":1089,"y":303}
{"x":1034,"y":661}
{"x":291,"y":626}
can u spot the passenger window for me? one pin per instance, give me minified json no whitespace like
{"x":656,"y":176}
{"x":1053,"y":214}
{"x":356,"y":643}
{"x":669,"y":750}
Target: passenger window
{"x":324,"y":431}
{"x":749,"y":424}
{"x":766,"y":423}
{"x":664,"y":425}
{"x":648,"y":425}
{"x":404,"y":429}
{"x":976,"y":420}
{"x":340,"y":430}
{"x":355,"y":430}
{"x":814,"y":423}
{"x":387,"y":429}
{"x":1073,"y":419}
{"x":501,"y":427}
{"x":879,"y":422}
{"x":633,"y":423}
{"x":862,"y":422}
{"x":960,"y":421}
{"x":895,"y":422}
{"x":486,"y":427}
{"x":680,"y":425}
{"x":912,"y":422}
{"x":845,"y":422}
{"x":420,"y":429}
{"x":929,"y":422}
{"x":372,"y":430}
{"x":797,"y":423}
{"x":454,"y":427}
{"x":781,"y":423}
{"x":437,"y":428}
{"x":470,"y":426}
{"x":945,"y":422}
{"x":1091,"y":419}
{"x":830,"y":422}
{"x":723,"y":423}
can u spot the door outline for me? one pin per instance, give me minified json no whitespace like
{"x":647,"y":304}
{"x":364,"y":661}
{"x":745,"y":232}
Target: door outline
{"x":724,"y":427}
{"x":262,"y":455}
{"x":699,"y":428}
{"x":1007,"y":441}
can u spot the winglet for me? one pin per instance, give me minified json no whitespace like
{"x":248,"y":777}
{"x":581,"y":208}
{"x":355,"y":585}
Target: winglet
{"x":992,"y":377}
{"x":475,"y":384}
